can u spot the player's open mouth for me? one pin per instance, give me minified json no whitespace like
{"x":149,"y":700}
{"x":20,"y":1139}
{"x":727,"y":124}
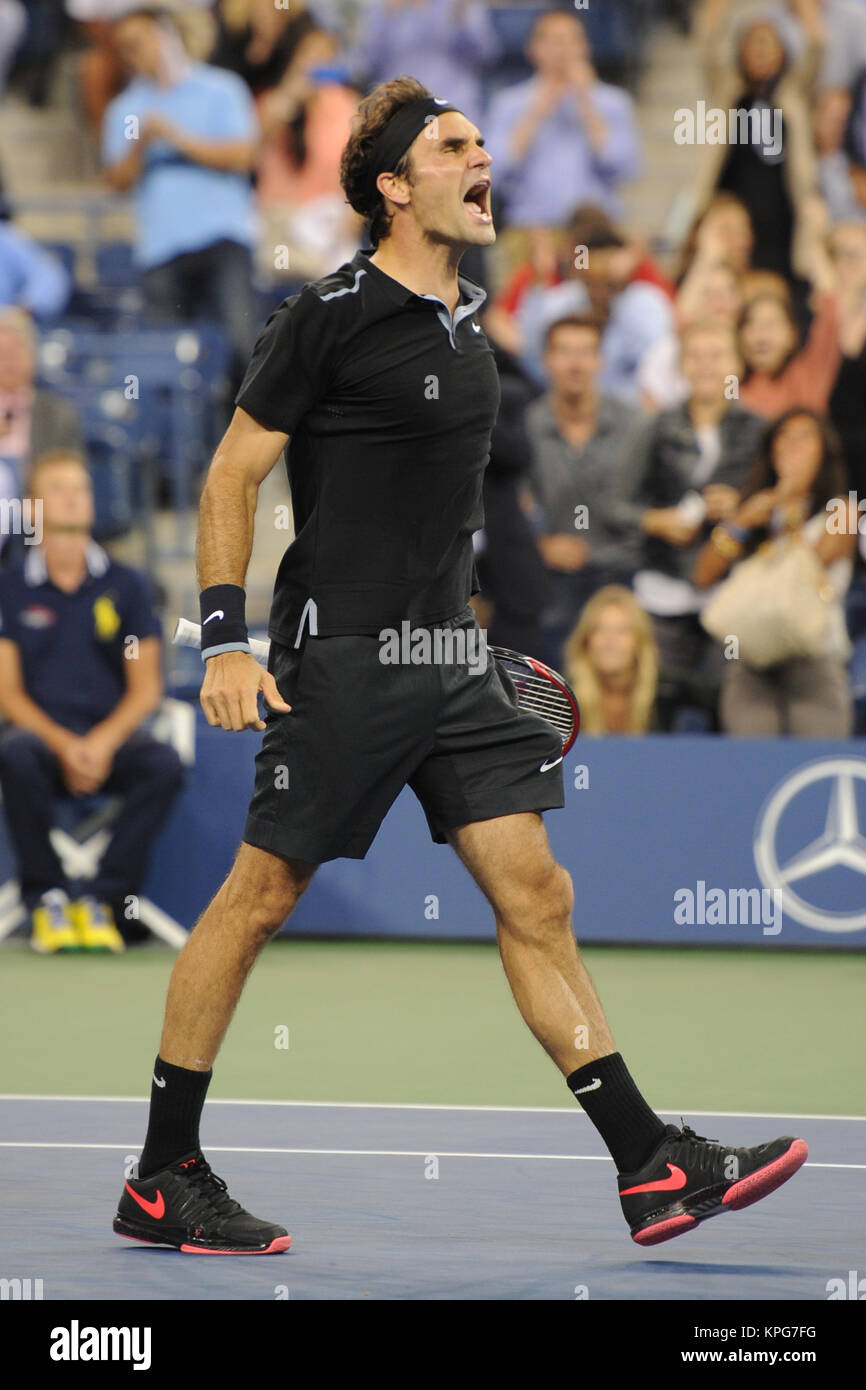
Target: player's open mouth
{"x":477,"y":200}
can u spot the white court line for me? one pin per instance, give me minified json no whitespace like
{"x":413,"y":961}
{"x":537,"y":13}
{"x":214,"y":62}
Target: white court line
{"x":361,"y":1153}
{"x":480,"y":1109}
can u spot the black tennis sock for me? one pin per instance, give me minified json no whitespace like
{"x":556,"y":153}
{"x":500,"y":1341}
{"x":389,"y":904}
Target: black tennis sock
{"x":176,"y":1100}
{"x":629,"y":1128}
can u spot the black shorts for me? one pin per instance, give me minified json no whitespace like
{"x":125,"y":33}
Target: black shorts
{"x":360,"y":730}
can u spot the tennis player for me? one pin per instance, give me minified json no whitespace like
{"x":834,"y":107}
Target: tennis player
{"x":381,"y":375}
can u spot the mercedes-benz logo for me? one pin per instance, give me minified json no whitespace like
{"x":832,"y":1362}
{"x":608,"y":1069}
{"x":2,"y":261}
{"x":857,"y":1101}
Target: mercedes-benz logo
{"x":839,"y":845}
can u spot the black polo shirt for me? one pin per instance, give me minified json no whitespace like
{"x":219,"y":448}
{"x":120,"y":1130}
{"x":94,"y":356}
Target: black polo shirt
{"x":390,"y":404}
{"x":72,"y":646}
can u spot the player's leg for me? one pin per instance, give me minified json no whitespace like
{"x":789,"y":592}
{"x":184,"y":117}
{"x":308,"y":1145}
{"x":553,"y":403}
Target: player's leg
{"x":209,"y":974}
{"x":175,"y":1199}
{"x":669,"y":1179}
{"x":532,"y":898}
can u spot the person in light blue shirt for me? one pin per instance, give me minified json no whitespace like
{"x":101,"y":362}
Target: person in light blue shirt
{"x":562,"y":138}
{"x":632,"y":314}
{"x":30,"y":277}
{"x":446,"y":44}
{"x":182,"y":138}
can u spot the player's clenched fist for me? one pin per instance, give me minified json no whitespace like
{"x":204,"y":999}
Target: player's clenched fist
{"x":229,"y":693}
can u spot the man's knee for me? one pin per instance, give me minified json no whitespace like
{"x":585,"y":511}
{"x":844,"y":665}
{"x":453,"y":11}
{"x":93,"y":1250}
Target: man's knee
{"x":542,"y":902}
{"x":266,"y":888}
{"x":163,"y":766}
{"x":20,"y":751}
{"x":556,"y":895}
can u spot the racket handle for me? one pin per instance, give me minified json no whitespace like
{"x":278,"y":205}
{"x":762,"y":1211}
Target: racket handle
{"x":187,"y":634}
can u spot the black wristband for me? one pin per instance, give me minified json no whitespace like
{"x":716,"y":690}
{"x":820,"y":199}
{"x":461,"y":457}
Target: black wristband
{"x":223,"y":622}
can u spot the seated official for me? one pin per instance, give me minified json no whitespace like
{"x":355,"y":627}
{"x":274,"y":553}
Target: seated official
{"x":79,"y":675}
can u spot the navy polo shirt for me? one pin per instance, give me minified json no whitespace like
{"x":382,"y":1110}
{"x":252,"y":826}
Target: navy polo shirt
{"x":72,"y":645}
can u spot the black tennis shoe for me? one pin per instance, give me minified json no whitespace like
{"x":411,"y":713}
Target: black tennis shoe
{"x":186,"y":1206}
{"x":688,"y":1179}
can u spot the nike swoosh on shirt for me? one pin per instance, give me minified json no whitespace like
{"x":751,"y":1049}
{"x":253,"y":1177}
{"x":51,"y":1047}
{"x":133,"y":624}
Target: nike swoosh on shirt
{"x":156,"y":1209}
{"x":218,"y":614}
{"x":676,"y":1180}
{"x":476,"y":328}
{"x":545,"y":767}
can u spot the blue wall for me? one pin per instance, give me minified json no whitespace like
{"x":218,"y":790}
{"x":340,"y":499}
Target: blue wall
{"x":658,"y":815}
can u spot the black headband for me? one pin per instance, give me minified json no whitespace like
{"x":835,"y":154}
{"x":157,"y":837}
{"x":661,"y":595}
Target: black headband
{"x":393,"y":142}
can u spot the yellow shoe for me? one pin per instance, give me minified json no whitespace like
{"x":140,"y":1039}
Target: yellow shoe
{"x":53,"y":927}
{"x":94,"y":926}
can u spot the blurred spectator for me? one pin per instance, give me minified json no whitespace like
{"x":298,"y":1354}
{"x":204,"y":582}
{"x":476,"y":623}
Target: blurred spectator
{"x":79,"y":674}
{"x":32,"y":420}
{"x":579,"y":441}
{"x":257,"y":38}
{"x":445,"y":44}
{"x":306,"y":120}
{"x":781,"y":370}
{"x":510,"y":569}
{"x":546,"y":257}
{"x":835,"y":171}
{"x":772,"y":176}
{"x":611,"y":663}
{"x":834,"y":29}
{"x":30,"y":276}
{"x":684,"y":476}
{"x":634,"y":313}
{"x":13,"y":25}
{"x":848,"y":402}
{"x":722,"y":231}
{"x":855,"y":138}
{"x":711,"y":293}
{"x":183,"y":137}
{"x":562,"y":138}
{"x":100,"y":70}
{"x":540,"y":267}
{"x":797,"y":473}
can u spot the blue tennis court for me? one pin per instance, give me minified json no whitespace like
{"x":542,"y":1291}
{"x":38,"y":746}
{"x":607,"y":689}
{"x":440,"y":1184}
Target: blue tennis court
{"x":417,"y":1202}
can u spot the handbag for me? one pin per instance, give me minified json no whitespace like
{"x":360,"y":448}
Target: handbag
{"x":775,"y":603}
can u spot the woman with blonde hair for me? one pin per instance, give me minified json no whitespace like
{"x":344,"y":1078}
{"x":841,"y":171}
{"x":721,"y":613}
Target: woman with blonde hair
{"x":612,"y":664}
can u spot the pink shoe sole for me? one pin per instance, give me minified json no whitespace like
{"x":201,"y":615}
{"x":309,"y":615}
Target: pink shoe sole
{"x":276,"y":1246}
{"x":766,"y":1180}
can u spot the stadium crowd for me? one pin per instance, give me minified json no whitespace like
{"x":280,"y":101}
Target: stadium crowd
{"x":671,"y":501}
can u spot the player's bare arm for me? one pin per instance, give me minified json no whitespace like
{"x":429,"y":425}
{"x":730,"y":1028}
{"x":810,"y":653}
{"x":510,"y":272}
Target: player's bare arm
{"x":244,"y":458}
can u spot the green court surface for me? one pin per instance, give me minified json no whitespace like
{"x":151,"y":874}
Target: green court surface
{"x":431,"y":1023}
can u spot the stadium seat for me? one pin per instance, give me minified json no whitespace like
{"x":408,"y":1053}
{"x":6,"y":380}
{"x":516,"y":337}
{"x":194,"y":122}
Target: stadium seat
{"x":65,"y":252}
{"x":158,"y":385}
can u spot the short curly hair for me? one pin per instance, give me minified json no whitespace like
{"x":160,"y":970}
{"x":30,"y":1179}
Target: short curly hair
{"x":373,"y":114}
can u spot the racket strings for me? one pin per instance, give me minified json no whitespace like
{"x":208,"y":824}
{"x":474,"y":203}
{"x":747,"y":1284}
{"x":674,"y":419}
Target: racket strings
{"x":539,"y":694}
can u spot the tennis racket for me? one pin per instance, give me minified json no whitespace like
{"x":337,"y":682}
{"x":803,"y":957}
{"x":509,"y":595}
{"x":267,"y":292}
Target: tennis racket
{"x":538,"y":687}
